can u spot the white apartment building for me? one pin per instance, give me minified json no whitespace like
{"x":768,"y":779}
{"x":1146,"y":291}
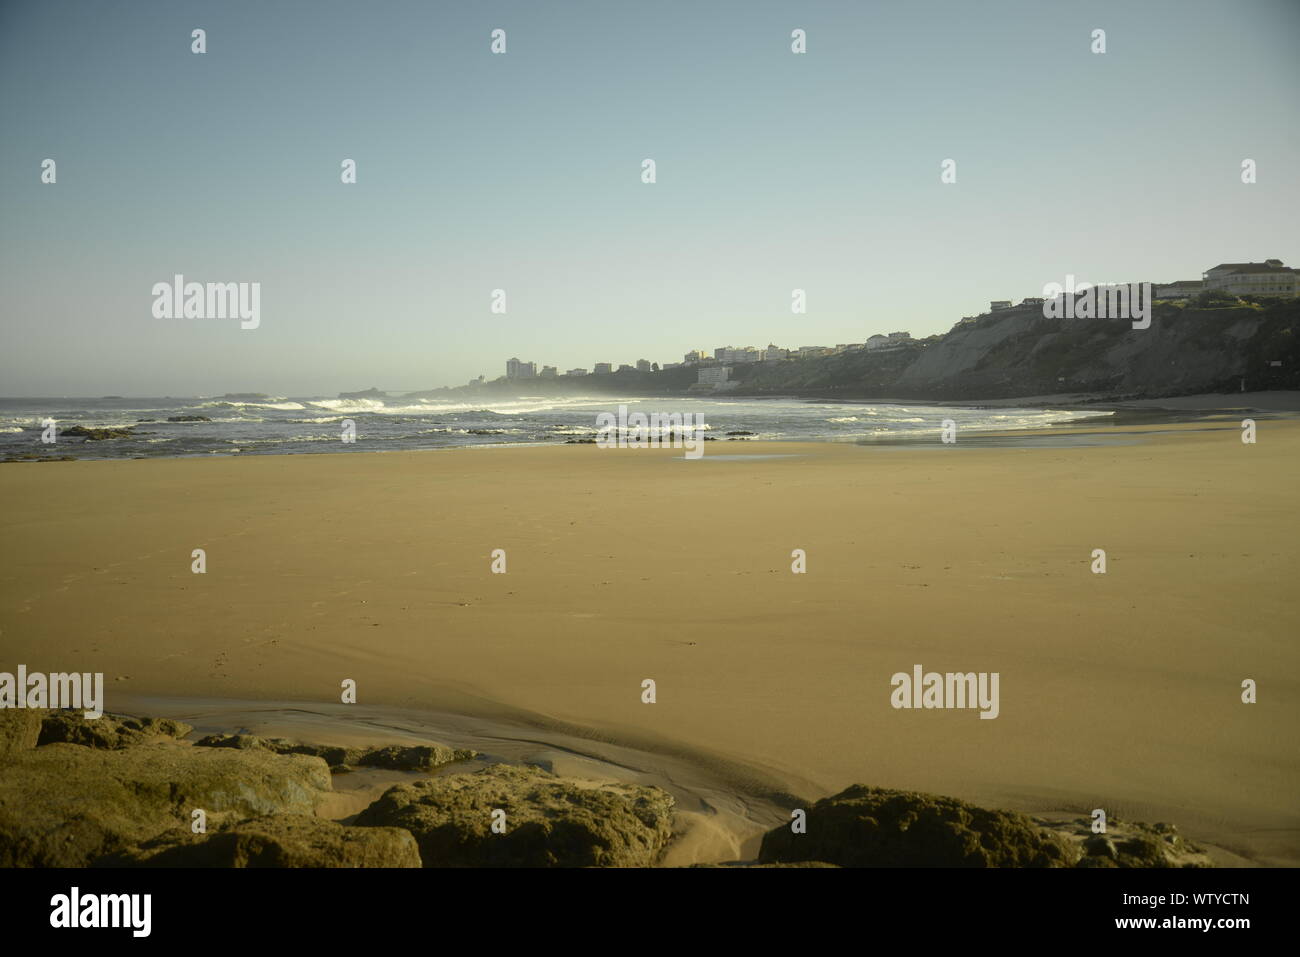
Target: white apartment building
{"x":1269,"y":278}
{"x":713,"y":375}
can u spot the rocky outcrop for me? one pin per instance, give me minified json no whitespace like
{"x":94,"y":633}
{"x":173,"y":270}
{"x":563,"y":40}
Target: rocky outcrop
{"x":107,"y":732}
{"x":549,"y":821}
{"x":1130,"y":844}
{"x":393,"y":757}
{"x":98,"y":435}
{"x":1188,"y":349}
{"x":285,"y":840}
{"x":418,"y":758}
{"x":874,"y":827}
{"x":188,"y":418}
{"x":66,"y":805}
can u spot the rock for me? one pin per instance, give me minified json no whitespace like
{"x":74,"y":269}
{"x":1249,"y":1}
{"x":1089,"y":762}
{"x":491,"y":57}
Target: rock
{"x":107,"y":731}
{"x":188,"y":418}
{"x":1099,"y":845}
{"x":1131,"y":844}
{"x":96,"y":435}
{"x":550,"y":821}
{"x":416,"y":758}
{"x":285,"y":840}
{"x":20,"y":729}
{"x":65,"y":805}
{"x":874,"y":827}
{"x":420,"y":758}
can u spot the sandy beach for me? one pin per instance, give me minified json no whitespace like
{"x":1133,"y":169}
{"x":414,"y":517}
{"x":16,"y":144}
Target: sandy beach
{"x":1119,"y":691}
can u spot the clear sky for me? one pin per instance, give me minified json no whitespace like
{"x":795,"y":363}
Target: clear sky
{"x":523,"y":171}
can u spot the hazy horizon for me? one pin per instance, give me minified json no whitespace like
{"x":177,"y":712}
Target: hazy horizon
{"x":522,"y":171}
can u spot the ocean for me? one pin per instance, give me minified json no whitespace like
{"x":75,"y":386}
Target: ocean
{"x":273,"y":425}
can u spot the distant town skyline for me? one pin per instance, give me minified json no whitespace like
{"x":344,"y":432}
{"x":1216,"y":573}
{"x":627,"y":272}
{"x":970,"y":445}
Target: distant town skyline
{"x":523,"y":172}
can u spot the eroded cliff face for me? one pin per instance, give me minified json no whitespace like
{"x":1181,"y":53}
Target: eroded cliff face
{"x":1019,"y":352}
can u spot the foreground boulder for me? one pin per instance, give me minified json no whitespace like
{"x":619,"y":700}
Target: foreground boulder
{"x":287,"y":840}
{"x":65,"y":805}
{"x":874,"y":827}
{"x":549,"y":821}
{"x":107,"y":732}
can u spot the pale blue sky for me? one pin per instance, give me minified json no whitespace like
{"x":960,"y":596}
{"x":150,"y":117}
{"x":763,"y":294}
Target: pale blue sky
{"x":522,"y":171}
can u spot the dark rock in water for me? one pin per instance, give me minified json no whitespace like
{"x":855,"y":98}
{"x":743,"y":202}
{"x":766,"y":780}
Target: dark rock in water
{"x":107,"y":732}
{"x":742,"y":432}
{"x":286,"y":840}
{"x":20,"y":729}
{"x":580,"y":442}
{"x":64,"y":805}
{"x":485,"y":431}
{"x":550,"y":821}
{"x":188,"y":418}
{"x":874,"y":827}
{"x":98,"y":435}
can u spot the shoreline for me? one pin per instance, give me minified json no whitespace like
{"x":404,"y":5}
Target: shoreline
{"x":1119,"y":692}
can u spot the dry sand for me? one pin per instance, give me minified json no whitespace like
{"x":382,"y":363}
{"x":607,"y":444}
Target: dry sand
{"x":1119,"y":691}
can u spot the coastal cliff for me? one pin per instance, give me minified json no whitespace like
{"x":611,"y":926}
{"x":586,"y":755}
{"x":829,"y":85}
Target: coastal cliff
{"x":1013,"y":353}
